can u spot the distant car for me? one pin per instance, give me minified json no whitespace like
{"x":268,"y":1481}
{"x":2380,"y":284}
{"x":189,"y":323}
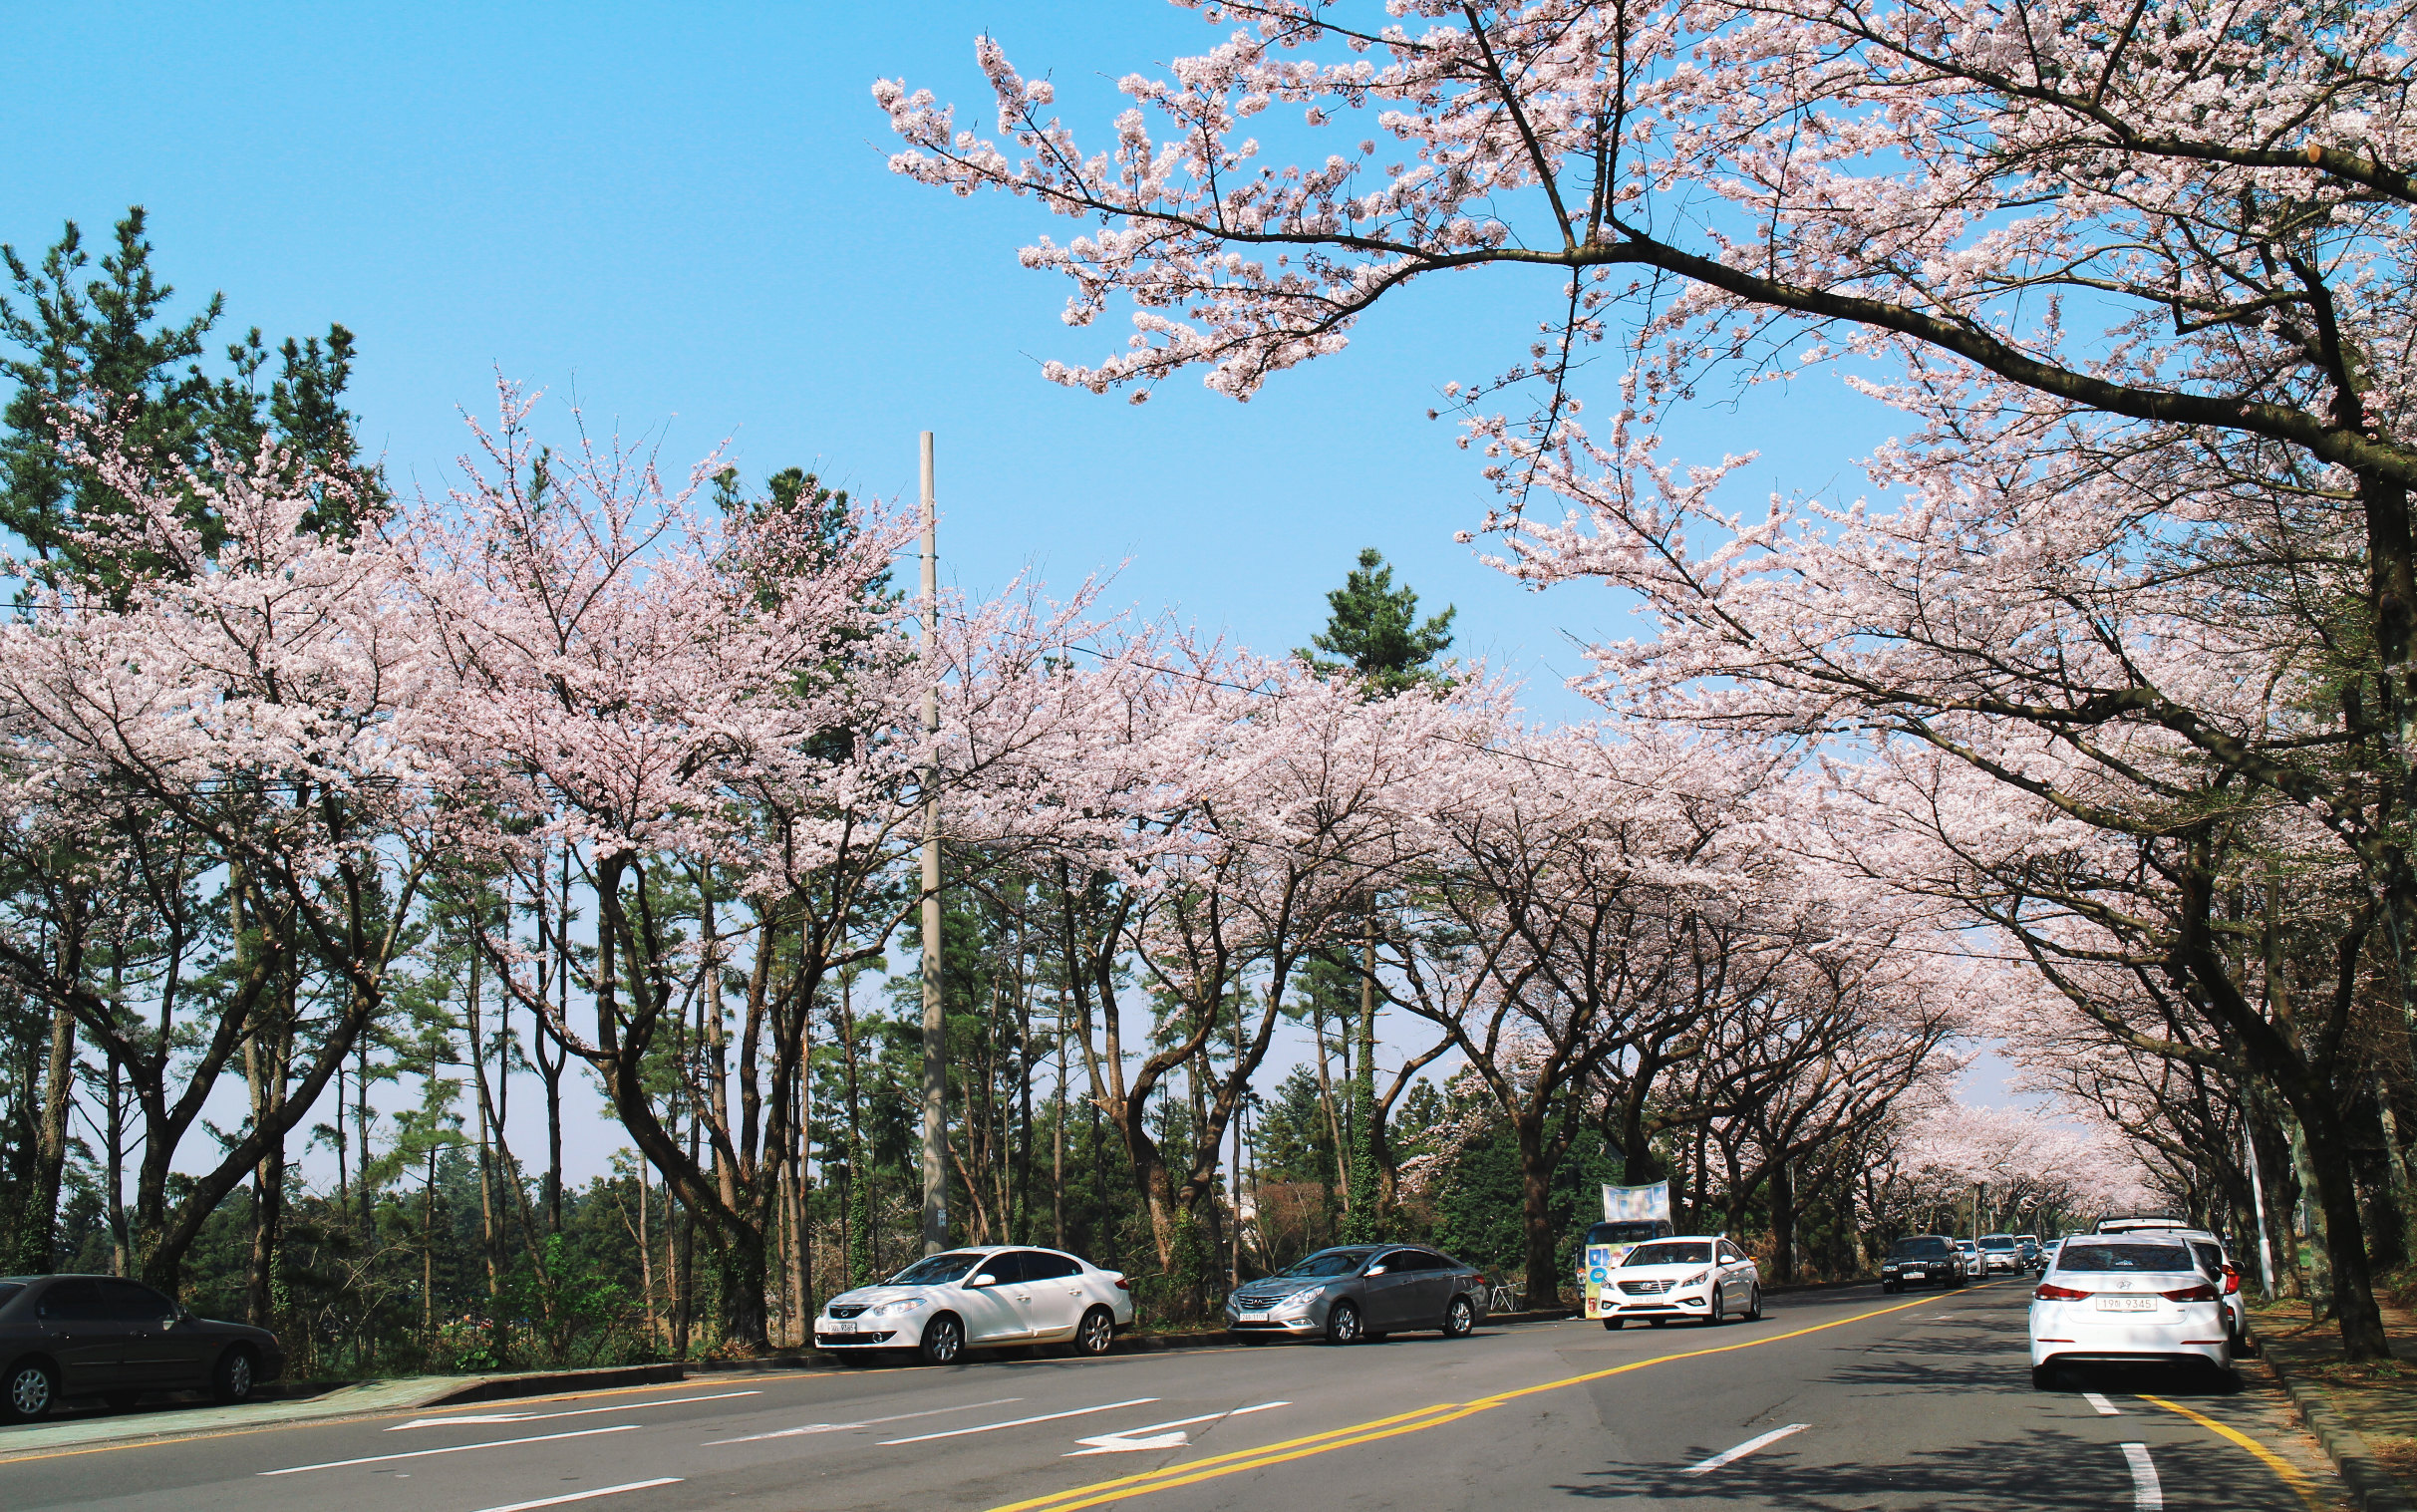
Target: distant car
{"x":982,"y":1297}
{"x":2216,"y":1259}
{"x":2000,"y":1251}
{"x":1922,"y":1259}
{"x":2127,"y":1298}
{"x":2031,"y":1252}
{"x":1357,"y":1292}
{"x":1704,"y":1277}
{"x":1970,"y":1253}
{"x":107,"y":1337}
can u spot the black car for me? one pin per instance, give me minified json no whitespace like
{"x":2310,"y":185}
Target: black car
{"x":1922,"y":1259}
{"x":107,"y":1336}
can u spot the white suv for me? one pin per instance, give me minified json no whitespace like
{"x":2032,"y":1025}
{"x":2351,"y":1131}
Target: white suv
{"x":944,"y":1303}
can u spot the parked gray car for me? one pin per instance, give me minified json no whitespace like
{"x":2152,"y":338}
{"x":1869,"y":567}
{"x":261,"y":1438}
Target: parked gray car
{"x":107,"y":1336}
{"x":1359,"y":1291}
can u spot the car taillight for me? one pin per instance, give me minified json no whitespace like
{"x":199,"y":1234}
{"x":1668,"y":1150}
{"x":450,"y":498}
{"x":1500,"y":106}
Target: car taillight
{"x":2047,"y":1292}
{"x":2201,"y":1292}
{"x":1123,"y":1285}
{"x":2232,"y":1280}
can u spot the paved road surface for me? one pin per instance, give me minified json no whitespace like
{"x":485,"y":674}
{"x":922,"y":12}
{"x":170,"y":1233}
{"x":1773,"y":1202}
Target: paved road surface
{"x":1834,"y":1400}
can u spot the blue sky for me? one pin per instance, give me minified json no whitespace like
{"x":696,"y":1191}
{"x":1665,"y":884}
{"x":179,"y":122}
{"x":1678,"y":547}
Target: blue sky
{"x":683,"y":217}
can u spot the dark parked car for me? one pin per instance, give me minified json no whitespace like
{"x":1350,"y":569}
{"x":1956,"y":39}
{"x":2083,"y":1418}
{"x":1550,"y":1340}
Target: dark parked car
{"x":1922,"y":1259}
{"x":106,"y":1337}
{"x":1359,"y":1291}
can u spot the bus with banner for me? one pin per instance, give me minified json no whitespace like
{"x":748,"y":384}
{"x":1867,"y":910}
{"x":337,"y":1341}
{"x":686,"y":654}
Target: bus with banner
{"x":1630,"y":1216}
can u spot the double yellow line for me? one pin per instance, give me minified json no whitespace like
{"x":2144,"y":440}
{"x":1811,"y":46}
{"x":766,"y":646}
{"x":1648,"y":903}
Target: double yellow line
{"x":1191,"y":1472}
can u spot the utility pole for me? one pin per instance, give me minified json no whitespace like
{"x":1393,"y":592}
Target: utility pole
{"x":2265,"y":1248}
{"x":935,"y":1023}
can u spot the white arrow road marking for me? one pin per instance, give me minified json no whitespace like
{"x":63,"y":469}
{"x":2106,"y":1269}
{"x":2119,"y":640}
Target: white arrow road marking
{"x":842,"y":1428}
{"x":1131,"y":1438}
{"x":492,"y":1444}
{"x":2105,"y":1407}
{"x":2147,"y":1495}
{"x":494,"y":1417}
{"x":556,"y":1501}
{"x":1743,"y":1449}
{"x":1018,"y":1422}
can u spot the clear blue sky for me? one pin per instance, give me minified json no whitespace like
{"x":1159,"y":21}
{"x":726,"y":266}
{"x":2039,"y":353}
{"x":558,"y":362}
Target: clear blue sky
{"x":682,"y":213}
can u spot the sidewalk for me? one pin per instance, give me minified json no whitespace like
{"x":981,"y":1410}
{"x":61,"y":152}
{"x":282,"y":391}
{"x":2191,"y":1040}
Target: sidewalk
{"x":2366,"y":1414}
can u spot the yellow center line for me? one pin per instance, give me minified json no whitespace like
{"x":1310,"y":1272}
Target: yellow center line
{"x":1192,"y":1471}
{"x":2291,"y":1474}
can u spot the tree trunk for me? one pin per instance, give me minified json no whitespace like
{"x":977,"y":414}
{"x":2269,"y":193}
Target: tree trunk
{"x":1782,"y":1182}
{"x":1536,"y":1213}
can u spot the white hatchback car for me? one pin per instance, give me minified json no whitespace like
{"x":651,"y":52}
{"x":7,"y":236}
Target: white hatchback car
{"x":1704,"y":1277}
{"x":944,"y":1303}
{"x":2127,"y":1298}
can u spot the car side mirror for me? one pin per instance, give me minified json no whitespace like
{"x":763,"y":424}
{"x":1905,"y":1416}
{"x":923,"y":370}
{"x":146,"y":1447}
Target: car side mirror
{"x":1375,"y":1270}
{"x":986,"y":1278}
{"x":171,"y":1319}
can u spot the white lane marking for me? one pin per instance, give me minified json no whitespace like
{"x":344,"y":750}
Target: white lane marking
{"x":1017,"y":1422}
{"x":2147,"y":1495}
{"x":556,"y":1501}
{"x":1743,"y":1449}
{"x":2105,"y":1407}
{"x":494,"y":1417}
{"x":842,"y":1428}
{"x":492,"y":1444}
{"x":1132,"y":1439}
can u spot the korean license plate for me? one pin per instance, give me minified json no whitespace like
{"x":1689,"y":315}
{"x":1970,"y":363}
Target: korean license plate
{"x":843,"y":1326}
{"x":2127,"y":1304}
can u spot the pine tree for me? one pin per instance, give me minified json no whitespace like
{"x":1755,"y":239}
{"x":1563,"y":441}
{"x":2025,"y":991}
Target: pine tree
{"x":1374,"y":628}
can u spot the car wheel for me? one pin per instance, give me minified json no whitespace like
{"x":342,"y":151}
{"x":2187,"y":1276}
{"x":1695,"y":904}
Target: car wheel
{"x":1753,"y":1304}
{"x":33,"y":1390}
{"x":2043,"y":1378}
{"x":1613,"y":1323}
{"x":1096,"y":1333}
{"x":1343,"y":1324}
{"x":1888,"y":1289}
{"x":233,"y":1380}
{"x":943,"y":1340}
{"x":1459,"y":1320}
{"x":1720,"y":1310}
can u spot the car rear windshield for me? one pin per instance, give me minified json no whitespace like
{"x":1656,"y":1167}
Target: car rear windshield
{"x":1672,"y":1251}
{"x":1626,"y":1233}
{"x":1327,"y":1263}
{"x":2077,"y":1256}
{"x":937,"y":1270}
{"x":1918,"y":1249}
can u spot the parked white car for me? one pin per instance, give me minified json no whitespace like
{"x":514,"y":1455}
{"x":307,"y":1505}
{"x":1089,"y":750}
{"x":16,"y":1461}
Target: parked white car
{"x":2127,"y":1298}
{"x":1704,"y":1277}
{"x":944,"y":1303}
{"x":2215,"y":1258}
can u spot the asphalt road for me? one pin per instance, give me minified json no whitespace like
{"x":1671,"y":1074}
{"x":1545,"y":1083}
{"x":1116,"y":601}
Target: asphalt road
{"x":1841,"y":1399}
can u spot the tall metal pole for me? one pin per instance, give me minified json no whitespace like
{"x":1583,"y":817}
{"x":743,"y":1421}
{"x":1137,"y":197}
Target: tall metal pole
{"x":935,"y":1023}
{"x":2265,"y":1248}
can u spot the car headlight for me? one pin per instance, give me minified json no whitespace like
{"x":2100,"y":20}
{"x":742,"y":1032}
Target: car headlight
{"x":1697,"y":1280}
{"x":893,"y":1309}
{"x":1298,"y":1299}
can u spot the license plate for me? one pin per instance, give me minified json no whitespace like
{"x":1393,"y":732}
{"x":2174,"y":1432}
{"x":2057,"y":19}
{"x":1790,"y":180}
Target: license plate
{"x":2127,"y":1304}
{"x":1253,"y":1312}
{"x":843,"y":1326}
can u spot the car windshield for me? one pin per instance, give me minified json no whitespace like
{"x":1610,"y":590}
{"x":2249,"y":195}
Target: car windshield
{"x":1672,"y":1251}
{"x":1997,"y":1241}
{"x":1624,"y":1233}
{"x":1918,"y":1249}
{"x":2123,"y":1257}
{"x":1327,"y":1263}
{"x":937,"y":1270}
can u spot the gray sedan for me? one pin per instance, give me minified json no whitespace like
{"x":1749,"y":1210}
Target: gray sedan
{"x":1359,"y":1291}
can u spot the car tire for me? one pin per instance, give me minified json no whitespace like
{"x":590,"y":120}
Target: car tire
{"x":1888,"y":1289}
{"x":1096,"y":1334}
{"x":30,"y":1390}
{"x":943,"y":1341}
{"x":1719,"y":1312}
{"x":2043,"y":1378}
{"x":1613,"y":1323}
{"x":1459,"y":1320}
{"x":1753,"y":1304}
{"x":235,"y":1379}
{"x":1343,"y":1324}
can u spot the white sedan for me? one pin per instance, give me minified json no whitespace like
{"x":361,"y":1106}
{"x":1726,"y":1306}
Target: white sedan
{"x":981,"y":1297}
{"x":1704,"y":1277}
{"x":2127,"y":1298}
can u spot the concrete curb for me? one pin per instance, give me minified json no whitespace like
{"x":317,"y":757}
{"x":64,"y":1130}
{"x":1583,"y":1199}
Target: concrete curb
{"x":548,"y":1383}
{"x":2371,"y":1489}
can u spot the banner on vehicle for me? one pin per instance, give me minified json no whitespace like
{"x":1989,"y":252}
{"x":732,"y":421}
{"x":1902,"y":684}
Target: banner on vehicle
{"x":1645,"y":1207}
